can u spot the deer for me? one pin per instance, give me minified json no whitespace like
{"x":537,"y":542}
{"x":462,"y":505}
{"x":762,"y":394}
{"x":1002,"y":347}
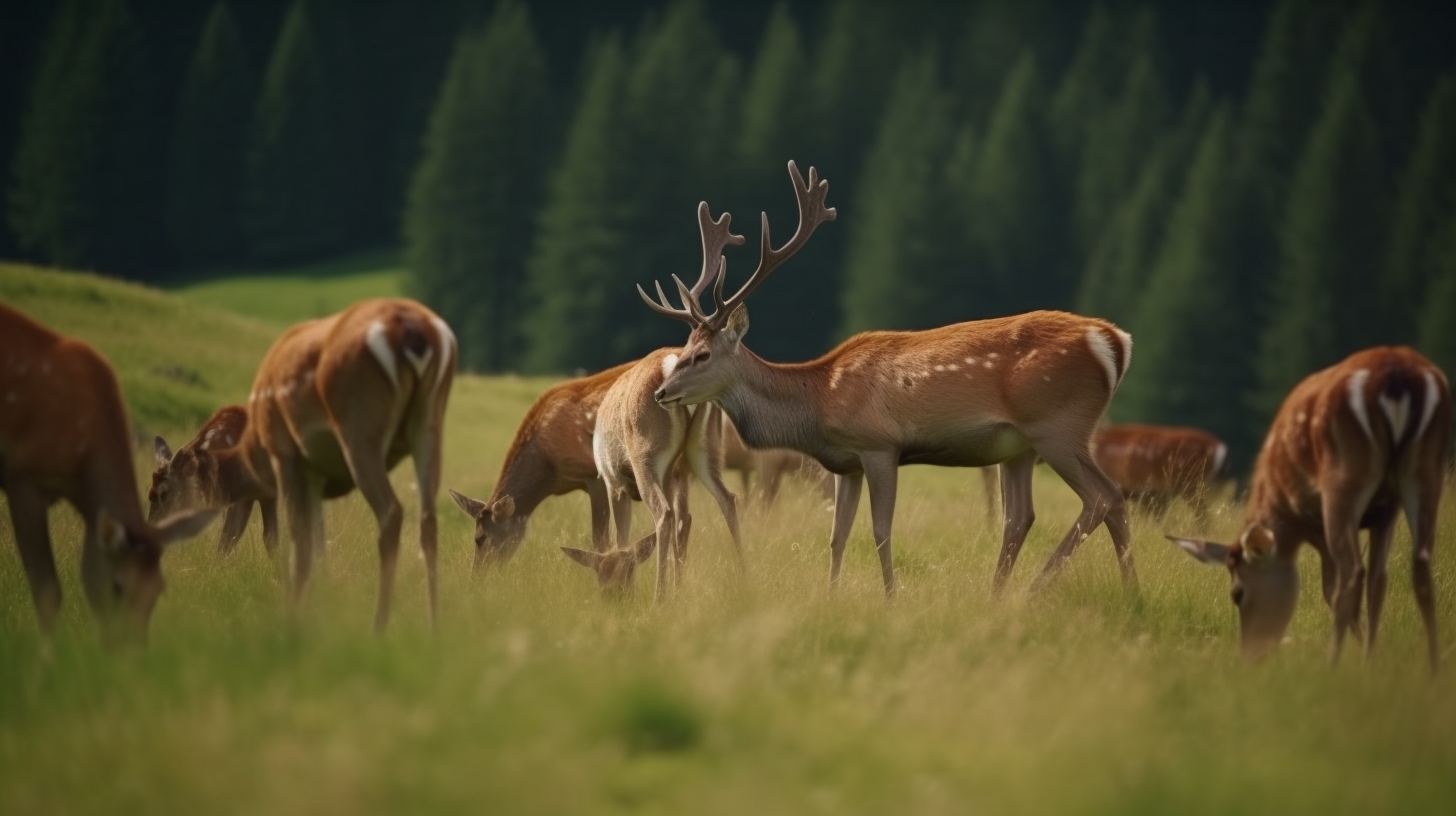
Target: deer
{"x":1152,"y":464}
{"x":336,"y":403}
{"x":1001,"y":391}
{"x":222,"y":430}
{"x":551,"y":455}
{"x":769,"y":467}
{"x":64,"y":434}
{"x":1350,"y":448}
{"x":644,"y":449}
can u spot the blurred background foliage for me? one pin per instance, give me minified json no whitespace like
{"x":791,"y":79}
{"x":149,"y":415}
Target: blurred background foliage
{"x":1253,"y":189}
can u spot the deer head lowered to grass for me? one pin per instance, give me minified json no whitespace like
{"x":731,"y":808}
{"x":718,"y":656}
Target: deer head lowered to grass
{"x":336,"y":403}
{"x":64,"y":434}
{"x":1351,"y":447}
{"x":966,"y":395}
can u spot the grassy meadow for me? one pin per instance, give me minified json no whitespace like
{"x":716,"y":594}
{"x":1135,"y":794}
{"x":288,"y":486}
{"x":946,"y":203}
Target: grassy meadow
{"x":766,"y":693}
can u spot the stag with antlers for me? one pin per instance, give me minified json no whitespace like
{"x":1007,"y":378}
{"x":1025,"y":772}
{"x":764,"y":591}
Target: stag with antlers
{"x":1007,"y":391}
{"x":644,"y":448}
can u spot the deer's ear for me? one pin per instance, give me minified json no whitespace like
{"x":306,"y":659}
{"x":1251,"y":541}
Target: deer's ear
{"x":503,"y":508}
{"x":586,"y":558}
{"x":162,"y":451}
{"x":182,"y":526}
{"x":1205,"y":551}
{"x":472,"y":507}
{"x":737,"y":324}
{"x":111,"y":534}
{"x":1258,"y":542}
{"x":642,"y":550}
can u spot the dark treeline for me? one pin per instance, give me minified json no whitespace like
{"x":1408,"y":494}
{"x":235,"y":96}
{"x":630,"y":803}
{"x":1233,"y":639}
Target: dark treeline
{"x":1253,"y":189}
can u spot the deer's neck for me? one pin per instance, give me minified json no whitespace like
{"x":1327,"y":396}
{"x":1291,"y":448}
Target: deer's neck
{"x":777,"y":405}
{"x":527,"y":477}
{"x":244,"y":473}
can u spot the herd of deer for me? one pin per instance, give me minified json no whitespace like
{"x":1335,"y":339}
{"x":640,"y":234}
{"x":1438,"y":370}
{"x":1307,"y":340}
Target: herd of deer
{"x":339,"y":400}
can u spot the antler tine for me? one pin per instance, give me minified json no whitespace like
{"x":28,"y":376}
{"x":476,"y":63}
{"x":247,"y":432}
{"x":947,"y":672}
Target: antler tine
{"x":664,"y":309}
{"x":690,"y":298}
{"x":716,"y":236}
{"x":812,"y":212}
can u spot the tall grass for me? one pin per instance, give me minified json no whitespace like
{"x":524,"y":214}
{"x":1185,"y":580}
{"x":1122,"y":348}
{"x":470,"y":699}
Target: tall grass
{"x":763,"y":693}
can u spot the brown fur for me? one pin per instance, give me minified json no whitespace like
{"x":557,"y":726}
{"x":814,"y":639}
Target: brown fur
{"x":182,"y":474}
{"x":645,"y":451}
{"x":1321,"y":477}
{"x":64,"y":435}
{"x":325,"y":416}
{"x":1154,"y":464}
{"x":551,"y":455}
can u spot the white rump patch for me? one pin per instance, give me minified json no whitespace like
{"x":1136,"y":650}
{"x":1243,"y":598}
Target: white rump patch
{"x":1398,"y":412}
{"x":378,"y":343}
{"x":418,"y":363}
{"x":1433,"y":398}
{"x":1356,"y":387}
{"x":447,"y":350}
{"x":1102,"y":351}
{"x":1126,"y":340}
{"x":669,"y":365}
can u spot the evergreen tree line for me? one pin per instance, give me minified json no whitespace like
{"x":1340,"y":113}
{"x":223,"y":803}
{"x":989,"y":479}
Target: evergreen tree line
{"x":1253,"y":190}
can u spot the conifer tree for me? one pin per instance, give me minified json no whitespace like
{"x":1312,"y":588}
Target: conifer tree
{"x":660,"y":121}
{"x":1194,"y":333}
{"x":1121,"y":259}
{"x":1437,"y":312}
{"x":1426,"y":207}
{"x":297,"y":159}
{"x":87,"y":169}
{"x":1017,"y":210}
{"x":906,"y":269}
{"x":469,"y":217}
{"x":1333,"y":237}
{"x":206,"y":157}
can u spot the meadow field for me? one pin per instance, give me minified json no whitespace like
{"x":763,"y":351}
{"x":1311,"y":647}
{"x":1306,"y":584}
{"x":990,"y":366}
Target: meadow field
{"x":765,"y":693}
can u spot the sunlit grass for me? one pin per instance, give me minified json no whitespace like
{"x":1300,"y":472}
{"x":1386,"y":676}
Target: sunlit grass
{"x":764,"y":693}
{"x":286,"y":296}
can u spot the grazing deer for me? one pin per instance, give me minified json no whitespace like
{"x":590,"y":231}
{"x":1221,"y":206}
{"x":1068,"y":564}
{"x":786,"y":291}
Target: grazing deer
{"x":337,"y":402}
{"x":551,"y":455}
{"x":769,"y":467}
{"x":643,"y":449}
{"x":177,"y":482}
{"x":1351,"y":447}
{"x":64,"y":434}
{"x":967,"y":395}
{"x":1152,"y":464}
{"x":614,"y":568}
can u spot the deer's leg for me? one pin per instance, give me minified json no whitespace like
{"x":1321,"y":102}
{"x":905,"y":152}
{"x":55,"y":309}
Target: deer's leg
{"x":882,"y":471}
{"x":234,"y":524}
{"x":621,"y":502}
{"x":268,"y":509}
{"x":677,"y":491}
{"x":601,"y":514}
{"x":665,"y":526}
{"x":33,"y":539}
{"x":1017,"y":512}
{"x":1420,"y":500}
{"x":847,"y":489}
{"x":1102,"y":502}
{"x":1343,"y":504}
{"x":991,"y":483}
{"x":302,"y":497}
{"x":426,"y":456}
{"x":366,"y":463}
{"x":705,"y":458}
{"x":1375,"y":579}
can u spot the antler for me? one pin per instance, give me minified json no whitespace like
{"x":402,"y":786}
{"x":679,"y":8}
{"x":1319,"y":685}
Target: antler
{"x":812,"y":213}
{"x":716,"y":235}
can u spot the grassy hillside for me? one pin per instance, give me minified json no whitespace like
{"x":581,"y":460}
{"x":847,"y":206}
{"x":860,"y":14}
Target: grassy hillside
{"x":284,"y":296}
{"x":767,"y":694}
